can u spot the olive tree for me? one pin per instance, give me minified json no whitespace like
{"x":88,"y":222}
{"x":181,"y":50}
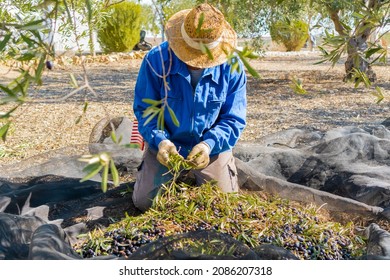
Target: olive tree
{"x":353,"y":36}
{"x":355,"y":24}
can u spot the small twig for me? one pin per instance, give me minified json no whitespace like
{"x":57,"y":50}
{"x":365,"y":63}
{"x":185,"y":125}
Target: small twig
{"x":70,"y":94}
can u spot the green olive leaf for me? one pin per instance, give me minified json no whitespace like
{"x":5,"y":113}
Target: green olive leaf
{"x":114,"y":173}
{"x":152,"y":101}
{"x":173,"y":116}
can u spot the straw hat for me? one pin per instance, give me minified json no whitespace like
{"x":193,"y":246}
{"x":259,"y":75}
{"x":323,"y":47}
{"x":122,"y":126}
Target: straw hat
{"x":204,"y":25}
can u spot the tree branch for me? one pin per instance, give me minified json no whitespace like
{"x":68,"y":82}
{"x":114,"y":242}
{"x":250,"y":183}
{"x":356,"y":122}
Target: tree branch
{"x":334,"y":15}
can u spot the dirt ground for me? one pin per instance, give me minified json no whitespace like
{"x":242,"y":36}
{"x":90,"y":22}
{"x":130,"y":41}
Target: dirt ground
{"x":48,"y":122}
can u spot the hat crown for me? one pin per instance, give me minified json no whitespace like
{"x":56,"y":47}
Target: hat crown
{"x":195,"y":35}
{"x":204,"y":23}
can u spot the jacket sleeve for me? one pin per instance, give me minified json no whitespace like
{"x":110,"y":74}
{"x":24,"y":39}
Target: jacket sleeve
{"x":148,"y":85}
{"x":225,"y":133}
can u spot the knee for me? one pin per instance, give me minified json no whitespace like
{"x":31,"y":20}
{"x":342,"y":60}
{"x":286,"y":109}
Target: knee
{"x":142,"y":202}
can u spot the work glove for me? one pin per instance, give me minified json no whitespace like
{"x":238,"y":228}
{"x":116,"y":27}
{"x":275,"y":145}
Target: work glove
{"x":200,"y":155}
{"x":165,"y":148}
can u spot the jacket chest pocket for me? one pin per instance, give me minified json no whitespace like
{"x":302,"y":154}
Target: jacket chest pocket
{"x":211,"y":112}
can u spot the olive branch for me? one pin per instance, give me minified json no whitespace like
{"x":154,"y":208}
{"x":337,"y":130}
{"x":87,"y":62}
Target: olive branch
{"x":176,"y":166}
{"x":297,"y":86}
{"x":157,"y":107}
{"x":97,"y":163}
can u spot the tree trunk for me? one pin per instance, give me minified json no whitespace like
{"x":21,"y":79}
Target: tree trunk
{"x":355,"y":60}
{"x":357,"y":45}
{"x":334,"y":16}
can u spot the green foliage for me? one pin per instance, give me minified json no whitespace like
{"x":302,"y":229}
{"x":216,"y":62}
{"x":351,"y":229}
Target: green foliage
{"x":248,"y":217}
{"x":120,"y":30}
{"x":103,"y":163}
{"x":177,"y":164}
{"x":291,"y":33}
{"x":5,"y":16}
{"x":170,"y":7}
{"x":244,"y":55}
{"x":248,"y":18}
{"x":16,"y":151}
{"x":256,"y":44}
{"x":297,"y":86}
{"x":22,"y":40}
{"x":157,"y":108}
{"x":148,"y":20}
{"x":353,"y":39}
{"x":95,"y":240}
{"x":333,"y":47}
{"x":4,"y":130}
{"x":378,"y":93}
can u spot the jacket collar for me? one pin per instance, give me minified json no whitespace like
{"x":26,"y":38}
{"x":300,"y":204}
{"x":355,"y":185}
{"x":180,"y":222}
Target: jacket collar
{"x":179,"y":67}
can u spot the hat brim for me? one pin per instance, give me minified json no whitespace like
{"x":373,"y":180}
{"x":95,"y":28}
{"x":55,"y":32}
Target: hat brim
{"x":194,"y":57}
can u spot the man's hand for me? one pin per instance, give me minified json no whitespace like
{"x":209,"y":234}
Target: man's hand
{"x":165,"y":148}
{"x":200,"y":155}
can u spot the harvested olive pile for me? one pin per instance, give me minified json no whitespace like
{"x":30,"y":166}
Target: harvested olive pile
{"x":247,"y":217}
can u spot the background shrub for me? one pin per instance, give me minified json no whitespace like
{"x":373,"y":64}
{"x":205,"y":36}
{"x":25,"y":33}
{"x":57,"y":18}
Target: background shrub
{"x":292,"y":34}
{"x":120,"y":30}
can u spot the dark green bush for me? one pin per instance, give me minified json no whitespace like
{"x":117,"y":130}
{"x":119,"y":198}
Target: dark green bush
{"x":120,"y":30}
{"x":292,"y":34}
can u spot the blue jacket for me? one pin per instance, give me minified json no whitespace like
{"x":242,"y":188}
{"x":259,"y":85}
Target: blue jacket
{"x":215,"y":112}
